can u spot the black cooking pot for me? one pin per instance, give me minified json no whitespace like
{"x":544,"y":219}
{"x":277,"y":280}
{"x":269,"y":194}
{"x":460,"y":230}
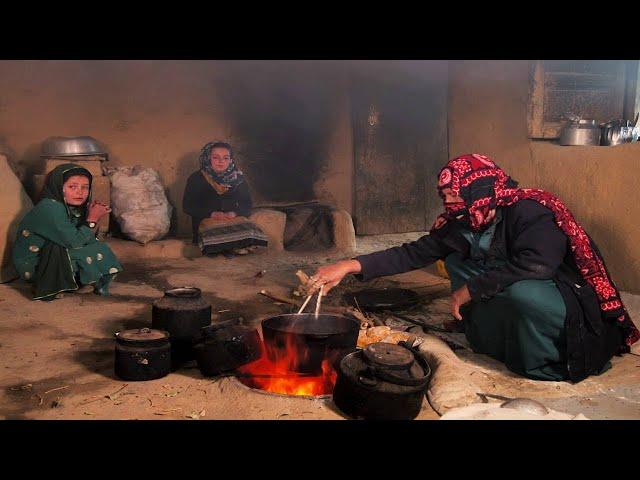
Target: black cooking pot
{"x":313,"y":339}
{"x":382,"y":382}
{"x":225,"y":346}
{"x":182,"y":312}
{"x":142,"y":354}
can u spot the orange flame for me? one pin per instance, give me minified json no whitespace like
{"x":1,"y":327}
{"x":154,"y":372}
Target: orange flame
{"x":277,"y":376}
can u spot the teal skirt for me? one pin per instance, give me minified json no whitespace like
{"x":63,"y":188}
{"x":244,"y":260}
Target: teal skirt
{"x":522,"y":326}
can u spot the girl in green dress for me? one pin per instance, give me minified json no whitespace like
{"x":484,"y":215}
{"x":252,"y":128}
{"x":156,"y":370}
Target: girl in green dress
{"x":56,"y":247}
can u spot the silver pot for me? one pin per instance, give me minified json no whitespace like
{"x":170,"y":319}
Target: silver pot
{"x":71,"y":147}
{"x":580,"y":132}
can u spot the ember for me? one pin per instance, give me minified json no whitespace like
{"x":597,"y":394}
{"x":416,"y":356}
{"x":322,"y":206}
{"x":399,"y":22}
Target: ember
{"x":276,"y":376}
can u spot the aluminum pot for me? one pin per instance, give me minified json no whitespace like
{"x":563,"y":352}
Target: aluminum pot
{"x":304,"y":341}
{"x":580,"y":132}
{"x":71,"y":147}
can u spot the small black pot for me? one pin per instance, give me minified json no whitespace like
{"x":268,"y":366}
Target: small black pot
{"x":142,"y":354}
{"x":182,"y":312}
{"x":382,"y":382}
{"x":225,"y":346}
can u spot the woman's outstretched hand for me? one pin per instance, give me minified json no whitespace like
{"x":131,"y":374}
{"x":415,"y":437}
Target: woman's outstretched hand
{"x":459,"y":298}
{"x":331,"y":275}
{"x":96,"y":211}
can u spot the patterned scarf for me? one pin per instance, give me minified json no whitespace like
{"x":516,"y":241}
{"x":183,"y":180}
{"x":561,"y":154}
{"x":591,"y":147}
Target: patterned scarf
{"x":227,"y":180}
{"x":484,"y":186}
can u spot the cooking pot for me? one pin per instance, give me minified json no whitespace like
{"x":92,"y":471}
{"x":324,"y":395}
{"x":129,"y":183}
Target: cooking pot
{"x":142,"y":354}
{"x":182,"y":312}
{"x":382,"y":382}
{"x":580,"y":132}
{"x":225,"y":346}
{"x":71,"y":147}
{"x":304,"y":340}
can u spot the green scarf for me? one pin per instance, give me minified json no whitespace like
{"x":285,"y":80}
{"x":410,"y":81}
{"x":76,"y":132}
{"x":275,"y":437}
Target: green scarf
{"x":55,"y":273}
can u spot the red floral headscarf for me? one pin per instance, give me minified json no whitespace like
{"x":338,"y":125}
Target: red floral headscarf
{"x":484,"y":186}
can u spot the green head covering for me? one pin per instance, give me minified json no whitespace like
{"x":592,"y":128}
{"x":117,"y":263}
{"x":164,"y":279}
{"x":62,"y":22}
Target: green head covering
{"x":55,"y":181}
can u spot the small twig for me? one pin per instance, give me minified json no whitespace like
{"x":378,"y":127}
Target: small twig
{"x":358,"y":306}
{"x":54,"y":389}
{"x":490,"y":395}
{"x":278,"y":298}
{"x":119,"y":390}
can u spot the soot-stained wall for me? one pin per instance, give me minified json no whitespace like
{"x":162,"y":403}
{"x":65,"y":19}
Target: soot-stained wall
{"x":288,"y":120}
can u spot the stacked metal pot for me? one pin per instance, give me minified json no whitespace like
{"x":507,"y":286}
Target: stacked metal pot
{"x":182,"y":331}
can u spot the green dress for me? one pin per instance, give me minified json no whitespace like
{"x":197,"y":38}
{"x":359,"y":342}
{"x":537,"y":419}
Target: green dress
{"x":522,"y":326}
{"x":56,"y":250}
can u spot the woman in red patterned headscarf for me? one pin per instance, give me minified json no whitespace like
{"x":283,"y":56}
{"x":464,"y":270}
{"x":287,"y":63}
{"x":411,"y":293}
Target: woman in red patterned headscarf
{"x":528,"y":283}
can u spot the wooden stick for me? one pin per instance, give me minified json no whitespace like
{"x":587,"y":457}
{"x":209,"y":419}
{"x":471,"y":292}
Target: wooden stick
{"x":305,"y":304}
{"x":119,"y":390}
{"x":319,"y":300}
{"x":277,"y":298}
{"x":54,"y":389}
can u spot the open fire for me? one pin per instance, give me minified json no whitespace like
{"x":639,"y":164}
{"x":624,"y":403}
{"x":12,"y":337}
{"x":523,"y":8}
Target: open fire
{"x":276,"y":373}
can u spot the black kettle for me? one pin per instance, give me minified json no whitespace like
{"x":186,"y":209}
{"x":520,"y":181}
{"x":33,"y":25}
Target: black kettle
{"x":225,"y":346}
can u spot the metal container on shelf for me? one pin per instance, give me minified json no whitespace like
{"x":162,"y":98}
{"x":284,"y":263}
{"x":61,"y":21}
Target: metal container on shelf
{"x":578,"y":131}
{"x":616,"y":132}
{"x":71,"y":147}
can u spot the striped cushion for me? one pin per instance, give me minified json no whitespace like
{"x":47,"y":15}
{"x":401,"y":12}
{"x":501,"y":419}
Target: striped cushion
{"x":215,"y":236}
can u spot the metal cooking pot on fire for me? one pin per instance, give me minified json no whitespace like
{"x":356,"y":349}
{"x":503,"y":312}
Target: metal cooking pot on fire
{"x":305,"y":340}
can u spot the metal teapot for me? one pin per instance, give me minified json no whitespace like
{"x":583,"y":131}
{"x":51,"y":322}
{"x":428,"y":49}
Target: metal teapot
{"x":616,"y":132}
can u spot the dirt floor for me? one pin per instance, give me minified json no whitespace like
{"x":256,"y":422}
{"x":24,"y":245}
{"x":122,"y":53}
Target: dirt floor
{"x":56,"y":359}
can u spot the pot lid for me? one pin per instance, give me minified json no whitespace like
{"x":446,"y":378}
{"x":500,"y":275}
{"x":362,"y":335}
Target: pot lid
{"x":388,"y":355}
{"x":183,"y":292}
{"x":382,"y":299}
{"x":142,"y":335}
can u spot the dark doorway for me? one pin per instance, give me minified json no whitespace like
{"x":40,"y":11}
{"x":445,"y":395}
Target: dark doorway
{"x":400,"y":142}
